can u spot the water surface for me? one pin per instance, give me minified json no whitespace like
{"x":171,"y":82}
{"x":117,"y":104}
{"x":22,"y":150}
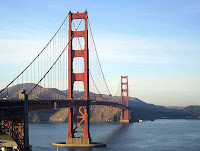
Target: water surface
{"x":159,"y":135}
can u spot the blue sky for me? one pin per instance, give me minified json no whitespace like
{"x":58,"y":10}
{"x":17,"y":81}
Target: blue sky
{"x":156,"y":43}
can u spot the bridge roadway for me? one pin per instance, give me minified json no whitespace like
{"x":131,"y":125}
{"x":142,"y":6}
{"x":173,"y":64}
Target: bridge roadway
{"x":35,"y":105}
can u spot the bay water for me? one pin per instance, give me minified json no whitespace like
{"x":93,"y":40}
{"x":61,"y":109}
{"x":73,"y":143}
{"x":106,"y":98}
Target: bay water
{"x":158,"y":135}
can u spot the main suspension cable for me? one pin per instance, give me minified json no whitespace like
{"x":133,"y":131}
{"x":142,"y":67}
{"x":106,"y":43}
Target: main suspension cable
{"x":89,"y":70}
{"x":118,"y":88}
{"x":54,"y":62}
{"x":98,"y":57}
{"x":36,"y":56}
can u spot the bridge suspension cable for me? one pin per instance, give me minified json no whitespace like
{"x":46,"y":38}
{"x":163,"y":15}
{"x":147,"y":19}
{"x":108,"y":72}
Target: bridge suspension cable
{"x":89,"y":70}
{"x":54,"y":62}
{"x":98,"y":58}
{"x":118,"y":88}
{"x":43,"y":71}
{"x":35,"y":57}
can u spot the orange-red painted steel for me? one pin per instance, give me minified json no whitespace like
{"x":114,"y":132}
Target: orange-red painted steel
{"x":78,"y":115}
{"x":124,"y":98}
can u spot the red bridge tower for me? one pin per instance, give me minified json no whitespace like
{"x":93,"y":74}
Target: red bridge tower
{"x":78,"y":115}
{"x":124,"y":99}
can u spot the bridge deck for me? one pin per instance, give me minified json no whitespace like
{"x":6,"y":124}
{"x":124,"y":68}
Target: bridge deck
{"x":50,"y":104}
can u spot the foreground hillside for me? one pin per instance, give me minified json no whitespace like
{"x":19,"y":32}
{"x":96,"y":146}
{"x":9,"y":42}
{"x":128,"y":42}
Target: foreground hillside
{"x":139,"y":109}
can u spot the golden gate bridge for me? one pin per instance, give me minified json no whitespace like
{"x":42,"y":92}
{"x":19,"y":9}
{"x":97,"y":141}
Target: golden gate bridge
{"x":69,"y":62}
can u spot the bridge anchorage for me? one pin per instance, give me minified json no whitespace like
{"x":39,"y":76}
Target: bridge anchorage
{"x":14,"y":124}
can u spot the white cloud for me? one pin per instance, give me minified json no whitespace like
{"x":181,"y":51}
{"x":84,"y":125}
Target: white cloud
{"x":141,"y":49}
{"x":110,"y":48}
{"x":18,"y":51}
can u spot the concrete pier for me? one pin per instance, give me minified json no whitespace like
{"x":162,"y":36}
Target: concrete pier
{"x":124,"y":121}
{"x":78,"y":140}
{"x":64,"y":144}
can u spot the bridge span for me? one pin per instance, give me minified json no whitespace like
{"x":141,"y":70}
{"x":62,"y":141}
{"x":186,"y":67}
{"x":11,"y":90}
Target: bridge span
{"x":34,"y":105}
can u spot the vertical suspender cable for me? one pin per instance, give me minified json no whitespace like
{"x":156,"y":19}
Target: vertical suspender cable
{"x":36,"y":56}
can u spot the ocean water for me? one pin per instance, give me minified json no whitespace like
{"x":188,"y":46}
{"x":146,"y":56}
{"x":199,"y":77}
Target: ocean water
{"x":159,"y":135}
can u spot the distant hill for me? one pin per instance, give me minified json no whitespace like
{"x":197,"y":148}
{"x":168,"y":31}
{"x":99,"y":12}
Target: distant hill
{"x":193,"y":110}
{"x":13,"y":92}
{"x":175,"y":107}
{"x":139,"y":109}
{"x":145,"y":111}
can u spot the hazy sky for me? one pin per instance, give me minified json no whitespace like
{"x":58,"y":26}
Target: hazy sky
{"x":155,"y":42}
